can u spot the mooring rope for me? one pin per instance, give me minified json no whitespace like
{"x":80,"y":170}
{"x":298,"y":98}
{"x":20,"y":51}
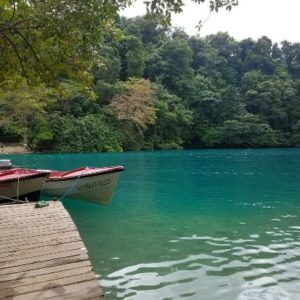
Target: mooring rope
{"x":18,"y":187}
{"x":12,"y":200}
{"x":72,"y":186}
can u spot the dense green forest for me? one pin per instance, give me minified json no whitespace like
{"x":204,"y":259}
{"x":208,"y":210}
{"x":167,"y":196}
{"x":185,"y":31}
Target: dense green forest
{"x":155,"y":87}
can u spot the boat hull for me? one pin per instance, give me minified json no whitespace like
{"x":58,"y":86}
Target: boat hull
{"x":24,"y":189}
{"x":97,"y":188}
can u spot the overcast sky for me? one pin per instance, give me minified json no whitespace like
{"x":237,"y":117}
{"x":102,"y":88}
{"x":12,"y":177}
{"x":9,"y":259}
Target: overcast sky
{"x":277,"y":19}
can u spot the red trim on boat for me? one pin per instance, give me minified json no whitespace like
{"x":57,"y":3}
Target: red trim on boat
{"x":82,"y":172}
{"x":21,"y":174}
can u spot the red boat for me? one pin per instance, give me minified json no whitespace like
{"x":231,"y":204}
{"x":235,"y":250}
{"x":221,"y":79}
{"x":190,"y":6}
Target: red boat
{"x":23,"y":184}
{"x":91,"y":184}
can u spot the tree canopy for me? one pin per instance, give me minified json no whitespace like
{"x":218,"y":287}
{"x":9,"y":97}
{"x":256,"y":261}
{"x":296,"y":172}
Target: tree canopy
{"x":47,"y":40}
{"x":75,"y":77}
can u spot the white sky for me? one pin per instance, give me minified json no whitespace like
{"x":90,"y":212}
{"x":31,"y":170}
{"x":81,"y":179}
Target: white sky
{"x":277,"y":19}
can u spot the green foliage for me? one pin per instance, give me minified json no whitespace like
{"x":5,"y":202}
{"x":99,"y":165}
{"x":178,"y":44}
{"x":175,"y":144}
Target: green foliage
{"x":106,"y":74}
{"x":291,"y":55}
{"x":171,"y":64}
{"x":295,"y":139}
{"x":173,"y":121}
{"x":47,"y":40}
{"x":87,"y":134}
{"x":271,"y":99}
{"x":109,"y":68}
{"x":213,"y":137}
{"x":74,"y":80}
{"x":135,"y":57}
{"x":73,"y":98}
{"x":249,"y":130}
{"x":147,"y":28}
{"x":22,"y":107}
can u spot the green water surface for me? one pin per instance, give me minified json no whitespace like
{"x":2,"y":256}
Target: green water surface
{"x":205,"y":224}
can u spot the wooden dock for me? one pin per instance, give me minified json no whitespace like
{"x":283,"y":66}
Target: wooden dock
{"x":42,"y":255}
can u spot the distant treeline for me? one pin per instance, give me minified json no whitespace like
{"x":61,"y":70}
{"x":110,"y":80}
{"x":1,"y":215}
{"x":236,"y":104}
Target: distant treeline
{"x":155,"y":87}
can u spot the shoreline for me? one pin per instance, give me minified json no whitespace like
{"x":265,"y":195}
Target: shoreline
{"x":6,"y":149}
{"x":14,"y":149}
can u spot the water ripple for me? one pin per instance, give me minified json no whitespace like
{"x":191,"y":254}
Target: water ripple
{"x":255,"y":268}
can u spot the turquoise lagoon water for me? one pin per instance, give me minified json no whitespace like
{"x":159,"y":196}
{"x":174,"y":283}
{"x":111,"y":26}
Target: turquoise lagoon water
{"x":205,"y":224}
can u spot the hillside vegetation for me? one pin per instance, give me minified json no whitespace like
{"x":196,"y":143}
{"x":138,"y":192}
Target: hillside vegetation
{"x":155,"y":87}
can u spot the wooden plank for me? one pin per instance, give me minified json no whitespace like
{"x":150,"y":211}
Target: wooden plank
{"x":19,"y":241}
{"x":25,"y":229}
{"x":31,"y":231}
{"x":28,"y":244}
{"x":32,"y":215}
{"x":41,"y":212}
{"x":87,"y":290}
{"x":52,"y":284}
{"x":21,"y":255}
{"x":43,"y":271}
{"x":45,"y":277}
{"x":29,"y":207}
{"x":94,"y":294}
{"x":32,"y":224}
{"x":15,"y":252}
{"x":41,"y":256}
{"x":39,"y":232}
{"x":40,"y":265}
{"x":14,"y":210}
{"x":82,"y":290}
{"x":36,"y":240}
{"x":36,"y":233}
{"x":33,"y":221}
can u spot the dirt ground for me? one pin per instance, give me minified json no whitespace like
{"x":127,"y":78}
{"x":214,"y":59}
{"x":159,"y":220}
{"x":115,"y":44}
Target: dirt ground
{"x":13,"y":148}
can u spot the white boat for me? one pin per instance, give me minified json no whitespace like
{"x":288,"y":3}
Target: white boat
{"x":5,"y":164}
{"x":19,"y":183}
{"x":92,"y":184}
